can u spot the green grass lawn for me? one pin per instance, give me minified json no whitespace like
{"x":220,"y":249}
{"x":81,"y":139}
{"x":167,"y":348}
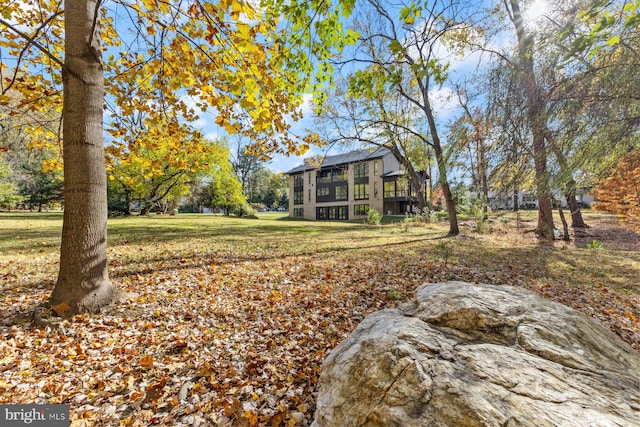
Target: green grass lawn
{"x":246,"y":309}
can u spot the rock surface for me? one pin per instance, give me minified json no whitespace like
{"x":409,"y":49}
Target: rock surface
{"x":479,"y":355}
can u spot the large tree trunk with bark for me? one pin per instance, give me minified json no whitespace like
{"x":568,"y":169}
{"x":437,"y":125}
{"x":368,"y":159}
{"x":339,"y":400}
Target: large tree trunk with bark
{"x":576,"y":214}
{"x":545,"y":228}
{"x":83,"y":281}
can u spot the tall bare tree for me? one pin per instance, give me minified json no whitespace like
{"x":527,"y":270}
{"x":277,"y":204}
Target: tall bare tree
{"x":405,"y":51}
{"x":537,"y":116}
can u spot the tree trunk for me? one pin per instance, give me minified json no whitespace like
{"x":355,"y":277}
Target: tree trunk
{"x":545,"y":227}
{"x":83,"y":281}
{"x":446,"y":191}
{"x":576,"y":214}
{"x":537,"y":119}
{"x":417,"y":181}
{"x":516,"y":205}
{"x":483,"y":181}
{"x":565,"y":227}
{"x":127,"y":196}
{"x":441,"y":164}
{"x":570,"y":187}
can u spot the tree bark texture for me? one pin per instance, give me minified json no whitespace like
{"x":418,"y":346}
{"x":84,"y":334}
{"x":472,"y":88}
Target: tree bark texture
{"x":576,"y":214}
{"x":570,"y":189}
{"x":537,"y":120}
{"x":565,"y":226}
{"x":441,"y":164}
{"x":83,"y":281}
{"x":446,"y":190}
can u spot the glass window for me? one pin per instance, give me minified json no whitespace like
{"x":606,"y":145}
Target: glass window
{"x":339,"y":175}
{"x":361,"y":170}
{"x":360,"y":209}
{"x":298,"y":212}
{"x":401,"y":189}
{"x":341,"y":192}
{"x":322,"y":192}
{"x":332,"y":212}
{"x":298,"y":181}
{"x":298,"y":197}
{"x":375,"y":167}
{"x":375,"y":190}
{"x":342,"y":212}
{"x":389,"y":189}
{"x":361,"y":191}
{"x":324,"y":177}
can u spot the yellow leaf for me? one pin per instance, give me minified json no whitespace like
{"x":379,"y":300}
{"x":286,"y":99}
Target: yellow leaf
{"x":150,"y":4}
{"x":243,"y":31}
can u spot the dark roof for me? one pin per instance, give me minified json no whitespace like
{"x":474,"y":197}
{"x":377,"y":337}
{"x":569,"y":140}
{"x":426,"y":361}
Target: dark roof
{"x":393,"y":173}
{"x":422,"y":174}
{"x":340,"y":159}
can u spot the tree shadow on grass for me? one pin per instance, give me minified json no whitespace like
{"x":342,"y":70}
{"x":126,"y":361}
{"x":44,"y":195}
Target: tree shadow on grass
{"x":179,"y":262}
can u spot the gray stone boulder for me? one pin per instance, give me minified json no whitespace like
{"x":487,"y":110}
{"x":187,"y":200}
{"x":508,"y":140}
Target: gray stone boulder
{"x":479,"y":355}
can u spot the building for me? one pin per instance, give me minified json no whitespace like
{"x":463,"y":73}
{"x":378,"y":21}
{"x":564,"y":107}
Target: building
{"x":347,"y":186}
{"x":529,"y":200}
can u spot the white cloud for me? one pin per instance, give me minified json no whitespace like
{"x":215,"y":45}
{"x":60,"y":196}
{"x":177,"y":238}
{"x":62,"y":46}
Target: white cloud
{"x":212,"y":136}
{"x":443,"y":102}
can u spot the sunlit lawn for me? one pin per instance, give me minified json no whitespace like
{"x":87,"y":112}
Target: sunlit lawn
{"x":236,"y":305}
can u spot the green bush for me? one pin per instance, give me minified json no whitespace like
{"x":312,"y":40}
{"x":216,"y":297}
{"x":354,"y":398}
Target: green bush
{"x":483,"y":226}
{"x":595,"y":244}
{"x":374,"y":217}
{"x":244,"y":211}
{"x":443,"y":250}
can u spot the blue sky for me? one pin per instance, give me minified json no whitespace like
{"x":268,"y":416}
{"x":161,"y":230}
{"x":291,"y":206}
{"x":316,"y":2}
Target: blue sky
{"x":444,"y":105}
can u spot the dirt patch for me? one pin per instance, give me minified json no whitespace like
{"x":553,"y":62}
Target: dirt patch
{"x":608,"y":231}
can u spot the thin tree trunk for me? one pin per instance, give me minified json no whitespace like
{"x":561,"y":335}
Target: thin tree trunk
{"x":483,"y":182}
{"x":446,"y":191}
{"x":441,"y":164}
{"x":83,"y":281}
{"x":565,"y":227}
{"x":127,"y":195}
{"x":570,"y":187}
{"x":414,"y":176}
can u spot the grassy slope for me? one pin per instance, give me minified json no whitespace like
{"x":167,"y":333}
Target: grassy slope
{"x":247,"y":309}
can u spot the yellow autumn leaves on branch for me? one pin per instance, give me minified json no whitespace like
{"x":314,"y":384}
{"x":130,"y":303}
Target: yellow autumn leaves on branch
{"x":227,"y":58}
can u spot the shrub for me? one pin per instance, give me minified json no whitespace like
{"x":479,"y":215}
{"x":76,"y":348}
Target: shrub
{"x":595,"y":244}
{"x":374,"y":217}
{"x":443,"y":250}
{"x":244,"y":211}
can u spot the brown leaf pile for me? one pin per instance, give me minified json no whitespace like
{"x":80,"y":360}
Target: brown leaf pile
{"x":227,"y":328}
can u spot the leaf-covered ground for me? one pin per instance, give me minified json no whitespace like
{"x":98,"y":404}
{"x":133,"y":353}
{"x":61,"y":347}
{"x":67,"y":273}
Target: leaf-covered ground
{"x":226,"y":321}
